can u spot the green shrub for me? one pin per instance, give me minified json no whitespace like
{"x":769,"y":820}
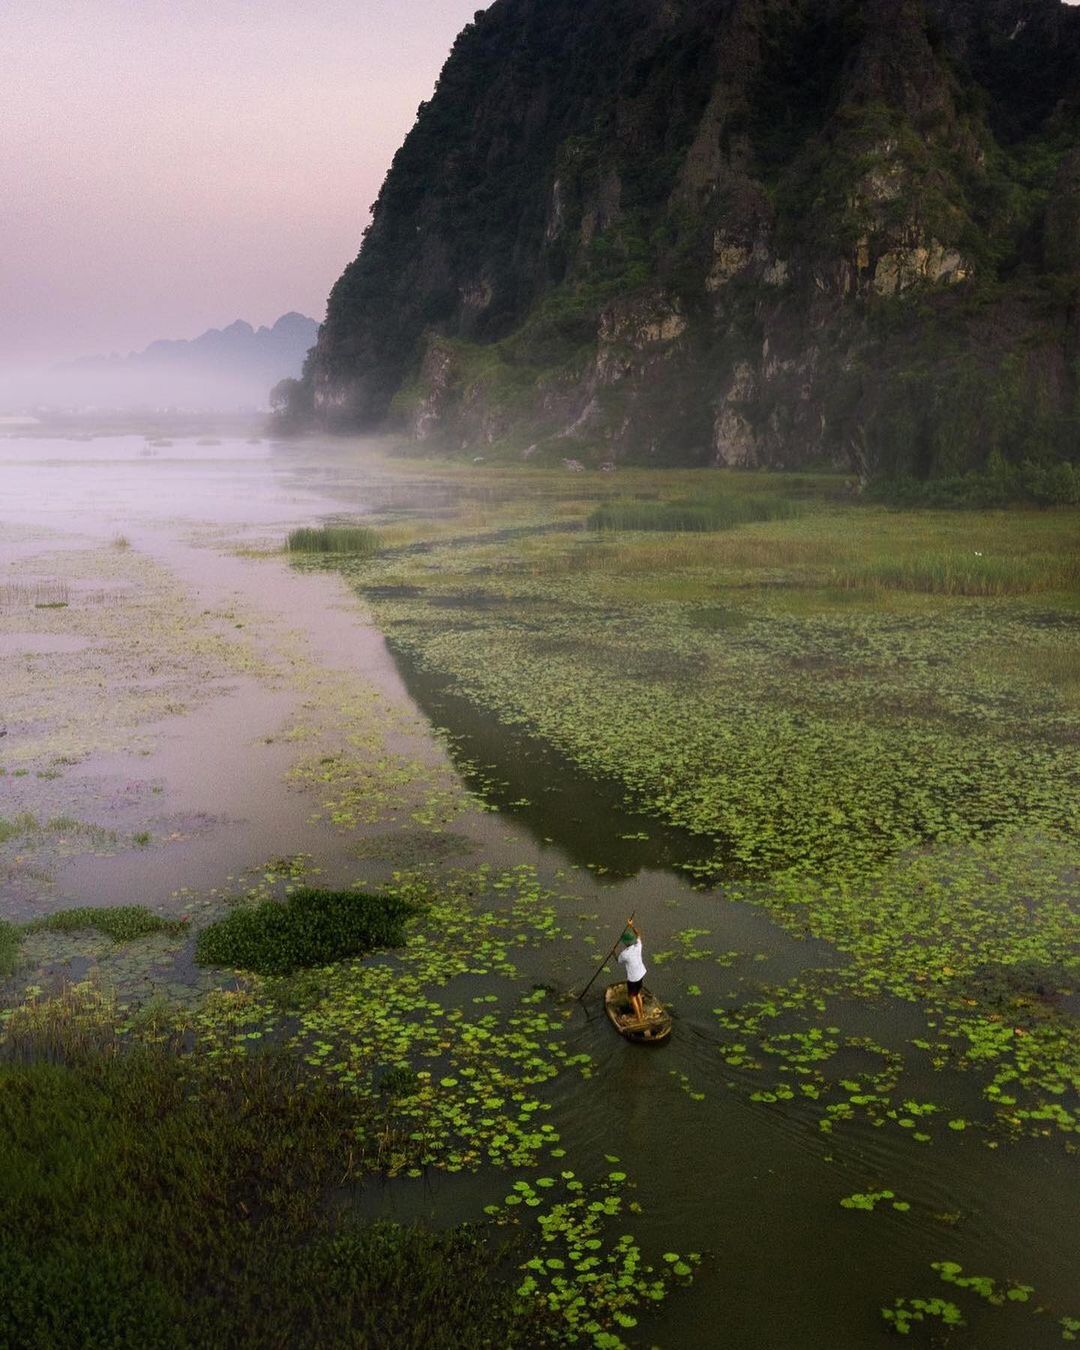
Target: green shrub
{"x":353,"y":539}
{"x":723,"y":513}
{"x":122,"y":923}
{"x":310,"y":928}
{"x":9,"y":947}
{"x":1000,"y":484}
{"x":1051,"y":484}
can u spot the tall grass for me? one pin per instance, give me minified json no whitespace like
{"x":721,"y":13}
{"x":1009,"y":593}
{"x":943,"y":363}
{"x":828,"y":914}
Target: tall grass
{"x":354,"y":539}
{"x":694,"y":552}
{"x":966,"y":573}
{"x":1043,"y":666}
{"x":720,"y":513}
{"x":65,"y":1028}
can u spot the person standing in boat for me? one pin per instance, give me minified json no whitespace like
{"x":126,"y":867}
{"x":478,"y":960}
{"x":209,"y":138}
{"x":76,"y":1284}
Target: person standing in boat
{"x":630,"y":959}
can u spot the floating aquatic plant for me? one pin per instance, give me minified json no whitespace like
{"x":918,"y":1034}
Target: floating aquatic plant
{"x":309,"y":928}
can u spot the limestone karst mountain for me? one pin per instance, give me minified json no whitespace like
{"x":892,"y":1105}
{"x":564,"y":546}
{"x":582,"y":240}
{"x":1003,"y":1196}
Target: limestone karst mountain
{"x":746,"y":232}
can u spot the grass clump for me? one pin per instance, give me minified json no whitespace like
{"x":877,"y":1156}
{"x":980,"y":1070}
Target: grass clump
{"x":123,"y":923}
{"x":310,"y":928}
{"x":721,"y":513}
{"x":354,"y":539}
{"x":23,"y":823}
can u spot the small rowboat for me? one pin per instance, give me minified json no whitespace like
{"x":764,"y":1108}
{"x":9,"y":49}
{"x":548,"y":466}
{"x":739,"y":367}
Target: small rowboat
{"x":656,"y":1027}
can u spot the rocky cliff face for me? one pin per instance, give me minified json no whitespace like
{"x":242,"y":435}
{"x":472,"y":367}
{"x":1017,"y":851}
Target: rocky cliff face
{"x":745,"y":232}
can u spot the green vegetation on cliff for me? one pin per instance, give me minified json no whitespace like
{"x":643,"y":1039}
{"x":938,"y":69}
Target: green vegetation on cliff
{"x":741,"y":232}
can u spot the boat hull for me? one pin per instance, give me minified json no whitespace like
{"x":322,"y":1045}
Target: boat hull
{"x":656,"y":1027}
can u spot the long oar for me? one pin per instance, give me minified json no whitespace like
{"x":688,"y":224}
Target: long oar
{"x":607,"y":958}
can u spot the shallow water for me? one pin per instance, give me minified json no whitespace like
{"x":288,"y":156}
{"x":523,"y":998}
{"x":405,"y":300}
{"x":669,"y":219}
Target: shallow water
{"x":754,"y":1186}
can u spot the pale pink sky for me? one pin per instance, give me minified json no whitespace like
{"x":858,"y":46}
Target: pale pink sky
{"x":173,"y":165}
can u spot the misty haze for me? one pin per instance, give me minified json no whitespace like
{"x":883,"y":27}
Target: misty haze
{"x":231,"y":369}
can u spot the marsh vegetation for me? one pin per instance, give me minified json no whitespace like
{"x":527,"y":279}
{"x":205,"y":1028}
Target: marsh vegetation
{"x":310,"y":928}
{"x":353,"y":539}
{"x":866,"y":717}
{"x":829,"y":745}
{"x":154,"y":1198}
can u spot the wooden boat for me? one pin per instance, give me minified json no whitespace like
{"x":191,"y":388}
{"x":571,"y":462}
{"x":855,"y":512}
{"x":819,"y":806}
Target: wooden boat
{"x":656,"y":1027}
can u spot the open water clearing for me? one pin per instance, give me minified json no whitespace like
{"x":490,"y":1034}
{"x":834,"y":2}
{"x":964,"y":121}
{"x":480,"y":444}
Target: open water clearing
{"x":846,"y":1120}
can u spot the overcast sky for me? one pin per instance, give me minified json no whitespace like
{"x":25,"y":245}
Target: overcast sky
{"x":172,"y":165}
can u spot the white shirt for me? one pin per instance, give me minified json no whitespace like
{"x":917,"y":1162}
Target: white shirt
{"x":631,"y":959}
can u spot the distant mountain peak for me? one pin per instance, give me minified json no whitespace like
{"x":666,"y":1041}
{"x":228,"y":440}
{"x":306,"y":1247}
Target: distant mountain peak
{"x":292,"y":322}
{"x":238,"y":364}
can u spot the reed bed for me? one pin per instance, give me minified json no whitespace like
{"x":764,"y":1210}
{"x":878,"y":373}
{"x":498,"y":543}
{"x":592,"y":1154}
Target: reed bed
{"x":38,"y":594}
{"x":824,"y":548}
{"x":693,"y":552}
{"x":357,"y":540}
{"x":964,"y":573}
{"x":721,"y":513}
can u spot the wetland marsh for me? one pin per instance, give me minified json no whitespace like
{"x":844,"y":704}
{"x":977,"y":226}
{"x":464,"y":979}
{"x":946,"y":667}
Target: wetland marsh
{"x":827,"y":752}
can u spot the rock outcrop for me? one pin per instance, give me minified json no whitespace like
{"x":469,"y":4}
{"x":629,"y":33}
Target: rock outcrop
{"x":753,"y":232}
